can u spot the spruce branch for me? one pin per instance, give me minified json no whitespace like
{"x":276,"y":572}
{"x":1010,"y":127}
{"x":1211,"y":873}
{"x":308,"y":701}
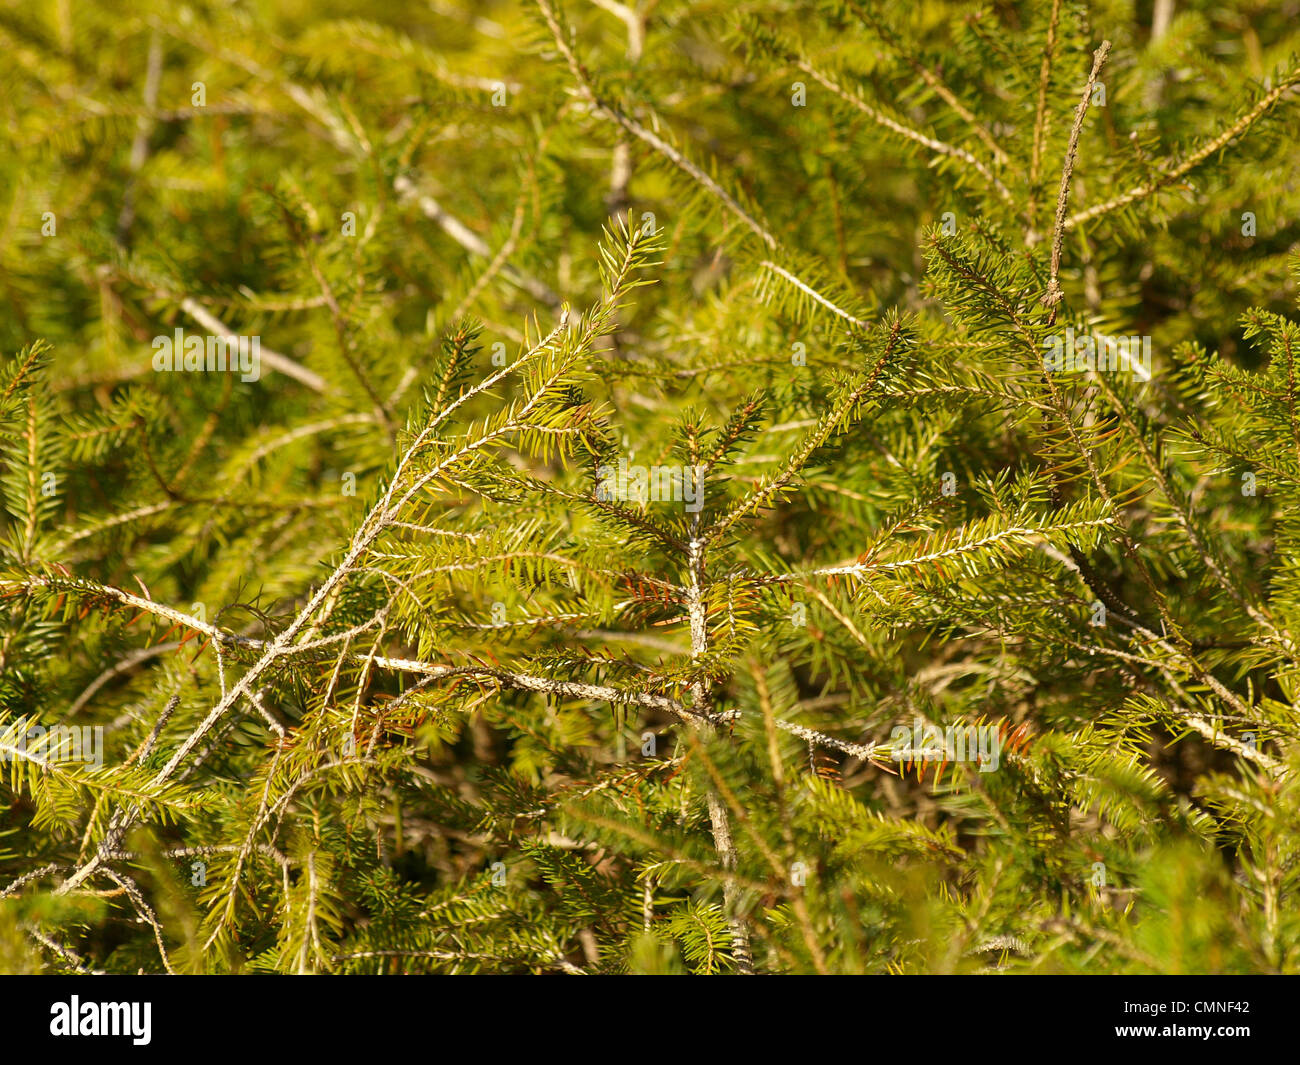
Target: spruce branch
{"x":931,"y":78}
{"x":1054,"y":294}
{"x":855,"y":100}
{"x":1041,"y":113}
{"x":1171,"y":173}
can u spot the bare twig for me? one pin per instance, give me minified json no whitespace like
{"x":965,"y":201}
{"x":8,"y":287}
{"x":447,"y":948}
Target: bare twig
{"x":1170,"y":174}
{"x":1054,"y":293}
{"x":270,"y":358}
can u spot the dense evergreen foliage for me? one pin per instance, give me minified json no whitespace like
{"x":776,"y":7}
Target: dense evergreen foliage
{"x":652,"y":441}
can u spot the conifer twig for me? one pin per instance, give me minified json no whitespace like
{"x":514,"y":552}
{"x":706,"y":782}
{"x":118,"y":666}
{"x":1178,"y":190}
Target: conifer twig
{"x":270,"y":357}
{"x":854,"y":100}
{"x":1054,"y":293}
{"x":27,"y":878}
{"x":1014,"y":534}
{"x":387,"y":509}
{"x":672,"y":154}
{"x":616,"y":115}
{"x":936,"y":83}
{"x":68,"y":956}
{"x":140,"y":145}
{"x":700,"y":698}
{"x":1040,"y":112}
{"x":865,"y":751}
{"x":521,"y":681}
{"x":1170,"y":174}
{"x":472,"y":242}
{"x":813,"y":294}
{"x":146,"y":915}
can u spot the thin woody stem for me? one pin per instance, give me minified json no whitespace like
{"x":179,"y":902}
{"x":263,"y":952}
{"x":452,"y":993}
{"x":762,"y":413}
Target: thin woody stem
{"x":1040,"y":113}
{"x":719,"y":819}
{"x":1168,"y":177}
{"x":1054,"y":293}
